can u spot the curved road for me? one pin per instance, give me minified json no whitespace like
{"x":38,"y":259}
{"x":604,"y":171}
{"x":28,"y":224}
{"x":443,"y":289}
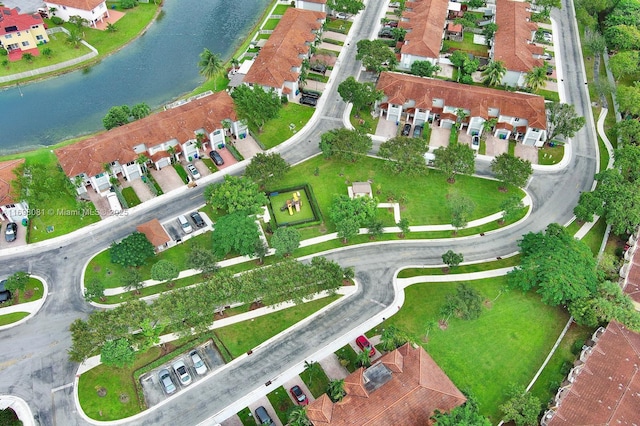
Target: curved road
{"x":33,"y":359}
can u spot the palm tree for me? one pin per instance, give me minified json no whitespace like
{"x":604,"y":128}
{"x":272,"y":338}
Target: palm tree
{"x":298,"y":417}
{"x":210,"y":66}
{"x":234,"y":63}
{"x":111,"y":27}
{"x":142,"y":161}
{"x":493,"y":73}
{"x":364,"y":359}
{"x":172,"y":152}
{"x":335,"y":390}
{"x":535,"y":78}
{"x":74,"y":38}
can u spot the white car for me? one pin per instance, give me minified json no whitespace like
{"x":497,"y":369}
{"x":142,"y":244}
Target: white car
{"x":182,"y":372}
{"x":342,"y":15}
{"x":198,"y":363}
{"x":194,"y":172}
{"x":184,"y":224}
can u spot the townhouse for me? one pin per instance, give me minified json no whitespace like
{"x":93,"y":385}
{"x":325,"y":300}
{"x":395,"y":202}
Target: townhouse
{"x":11,"y":208}
{"x":21,"y":33}
{"x":93,"y":11}
{"x":425,"y":23}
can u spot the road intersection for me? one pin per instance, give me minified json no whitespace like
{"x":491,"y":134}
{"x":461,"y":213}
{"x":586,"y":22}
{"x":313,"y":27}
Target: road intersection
{"x":34,"y":363}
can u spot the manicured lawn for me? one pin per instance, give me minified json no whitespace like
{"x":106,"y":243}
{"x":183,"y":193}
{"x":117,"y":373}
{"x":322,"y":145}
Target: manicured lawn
{"x":466,"y":44}
{"x":595,"y":235}
{"x":550,"y":155}
{"x":462,"y":269}
{"x":62,"y":51}
{"x":271,"y":24}
{"x":246,"y":417}
{"x":348,"y":357}
{"x":285,"y":199}
{"x":574,"y":227}
{"x":278,"y":130}
{"x":549,"y":95}
{"x":130,"y":197}
{"x":281,"y":9}
{"x":12,"y":317}
{"x":281,"y":402}
{"x":507,"y":344}
{"x":242,"y":337}
{"x":422,"y":206}
{"x":181,"y":172}
{"x":316,"y":380}
{"x":364,"y":122}
{"x":338,"y":25}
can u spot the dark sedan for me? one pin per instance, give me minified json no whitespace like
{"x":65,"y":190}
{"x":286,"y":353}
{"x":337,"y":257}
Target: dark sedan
{"x":216,"y":158}
{"x":406,"y":130}
{"x":11,"y":233}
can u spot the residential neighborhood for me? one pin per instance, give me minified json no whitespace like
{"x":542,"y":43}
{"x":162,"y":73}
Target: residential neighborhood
{"x":410,"y":212}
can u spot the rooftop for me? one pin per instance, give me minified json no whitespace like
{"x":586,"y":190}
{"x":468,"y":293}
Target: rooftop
{"x":11,"y":20}
{"x":77,"y":4}
{"x":6,"y":176}
{"x":425,"y":22}
{"x":154,"y":232}
{"x":511,"y":44}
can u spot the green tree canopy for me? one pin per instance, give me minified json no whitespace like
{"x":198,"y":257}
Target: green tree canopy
{"x":346,"y":6}
{"x":255,"y":105}
{"x":117,"y":116}
{"x":535,"y":79}
{"x":235,"y":232}
{"x":210,"y":65}
{"x":235,"y":194}
{"x":511,"y":170}
{"x":345,"y":144}
{"x":562,"y":120}
{"x":628,"y":97}
{"x":454,"y":159}
{"x":461,"y":208}
{"x":466,"y":414}
{"x":361,"y":95}
{"x":628,"y":131}
{"x":374,"y":54}
{"x":493,"y":73}
{"x":623,"y":37}
{"x":522,"y":407}
{"x":164,"y":270}
{"x":452,"y":259}
{"x":608,"y":303}
{"x":117,"y":353}
{"x":424,"y":69}
{"x":511,"y":207}
{"x":349,"y":214}
{"x":265,"y":169}
{"x":202,"y":259}
{"x":405,"y":155}
{"x":17,"y":281}
{"x":134,"y":250}
{"x":285,"y":240}
{"x":560,"y":267}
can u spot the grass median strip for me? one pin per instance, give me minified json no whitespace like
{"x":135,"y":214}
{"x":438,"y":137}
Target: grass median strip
{"x":462,"y":269}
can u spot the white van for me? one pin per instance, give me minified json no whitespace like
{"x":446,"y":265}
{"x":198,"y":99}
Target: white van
{"x":114,"y":203}
{"x":184,"y":224}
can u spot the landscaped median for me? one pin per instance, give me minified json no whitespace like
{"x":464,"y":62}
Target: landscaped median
{"x":23,"y":303}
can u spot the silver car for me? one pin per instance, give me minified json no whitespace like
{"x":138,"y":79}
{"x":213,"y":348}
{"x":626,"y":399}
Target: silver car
{"x":182,"y":372}
{"x":194,"y":172}
{"x":167,"y":383}
{"x":198,"y":363}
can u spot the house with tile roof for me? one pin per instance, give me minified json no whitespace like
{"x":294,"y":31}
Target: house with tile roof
{"x":404,"y":387}
{"x":630,"y":271}
{"x":419,"y":100}
{"x":603,"y":388}
{"x":158,"y":137}
{"x":21,"y":33}
{"x":155,"y":233}
{"x":93,"y":11}
{"x":279,"y":62}
{"x":425,"y":22}
{"x":315,"y":5}
{"x":513,"y":42}
{"x":11,"y":208}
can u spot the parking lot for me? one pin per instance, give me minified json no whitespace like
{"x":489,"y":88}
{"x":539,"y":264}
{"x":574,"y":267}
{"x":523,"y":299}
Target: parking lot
{"x":178,"y":234}
{"x":153,"y":390}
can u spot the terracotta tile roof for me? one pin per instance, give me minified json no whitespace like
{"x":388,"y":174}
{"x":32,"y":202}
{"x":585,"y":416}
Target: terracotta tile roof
{"x":511,"y":42}
{"x":77,"y":4}
{"x":284,"y":49}
{"x":6,"y":176}
{"x":632,"y":284}
{"x":316,"y":1}
{"x":12,"y":17}
{"x":400,"y":88}
{"x":425,"y":25}
{"x":409,"y":397}
{"x":89,"y":155}
{"x":607,"y":391}
{"x":454,"y":28}
{"x":154,"y":232}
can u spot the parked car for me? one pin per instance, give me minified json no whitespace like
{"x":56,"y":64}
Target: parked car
{"x":197,"y":219}
{"x":549,"y":70}
{"x":181,"y":371}
{"x":4,"y":293}
{"x":11,"y":232}
{"x":299,"y":395}
{"x":364,"y":345}
{"x":184,"y":224}
{"x":547,"y":37}
{"x":198,"y":363}
{"x":216,"y":158}
{"x":193,"y":171}
{"x":167,"y":383}
{"x":392,"y":24}
{"x":262,"y":416}
{"x":417,"y":131}
{"x":342,"y":15}
{"x":318,"y":67}
{"x":308,"y":100}
{"x":385,"y":33}
{"x":406,"y":130}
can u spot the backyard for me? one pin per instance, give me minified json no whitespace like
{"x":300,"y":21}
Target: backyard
{"x":466,"y":45}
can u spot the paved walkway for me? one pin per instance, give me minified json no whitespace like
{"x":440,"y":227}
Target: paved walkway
{"x":331,"y":365}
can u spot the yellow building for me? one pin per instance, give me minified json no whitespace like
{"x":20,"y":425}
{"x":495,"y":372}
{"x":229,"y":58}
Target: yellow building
{"x":21,"y":33}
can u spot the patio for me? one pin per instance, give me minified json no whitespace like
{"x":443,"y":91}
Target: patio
{"x":114,"y":16}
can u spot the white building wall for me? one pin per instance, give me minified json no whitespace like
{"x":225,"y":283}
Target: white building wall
{"x":92,"y":16}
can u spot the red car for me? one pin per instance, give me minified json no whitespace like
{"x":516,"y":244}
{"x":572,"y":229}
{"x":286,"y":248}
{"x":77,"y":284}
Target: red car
{"x":364,"y":344}
{"x":298,"y":395}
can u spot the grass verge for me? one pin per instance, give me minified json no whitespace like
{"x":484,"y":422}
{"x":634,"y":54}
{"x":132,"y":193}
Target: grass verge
{"x":281,"y":402}
{"x":12,"y":317}
{"x":462,"y":269}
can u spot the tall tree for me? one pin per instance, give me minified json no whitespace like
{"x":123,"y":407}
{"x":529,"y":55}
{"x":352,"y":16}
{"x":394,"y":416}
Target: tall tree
{"x":452,"y":259}
{"x":608,"y":303}
{"x":493,"y":73}
{"x":345,"y":144}
{"x":346,"y":6}
{"x":628,"y":131}
{"x":406,"y":155}
{"x":361,"y":95}
{"x":461,"y":208}
{"x":536,"y":78}
{"x":255,"y":105}
{"x":376,"y":55}
{"x":132,"y":280}
{"x":628,"y":98}
{"x":285,"y":240}
{"x":424,"y":69}
{"x":562,"y":120}
{"x":349,"y":214}
{"x":511,"y":170}
{"x":560,"y":267}
{"x":298,"y":417}
{"x":203,"y":260}
{"x":164,"y":270}
{"x":467,"y":414}
{"x":489,"y":31}
{"x":511,"y":208}
{"x":624,"y":63}
{"x":235,"y":232}
{"x":335,"y":390}
{"x":210,"y":66}
{"x":265,"y":169}
{"x":117,"y":116}
{"x":17,"y":281}
{"x":140,"y":110}
{"x":235,"y":194}
{"x":134,"y":250}
{"x":455,"y":159}
{"x":522,"y":407}
{"x":117,"y":353}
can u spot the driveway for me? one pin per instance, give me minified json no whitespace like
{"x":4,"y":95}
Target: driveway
{"x":228,"y":158}
{"x":21,"y":236}
{"x":386,"y":128}
{"x":334,"y":36}
{"x":140,"y":188}
{"x":248,"y":147}
{"x":297,"y":381}
{"x":496,"y":146}
{"x":264,"y":401}
{"x":167,"y":178}
{"x":439,"y":137}
{"x":329,"y":46}
{"x":202,"y":168}
{"x":527,"y":152}
{"x":100,"y":203}
{"x":332,"y":367}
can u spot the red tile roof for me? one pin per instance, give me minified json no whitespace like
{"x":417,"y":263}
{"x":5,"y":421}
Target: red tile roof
{"x":6,"y":176}
{"x":454,"y":28}
{"x":77,"y":4}
{"x":425,"y":23}
{"x":284,"y":49}
{"x":400,"y":88}
{"x":89,"y":155}
{"x":511,"y":42}
{"x":154,"y":232}
{"x":632,"y":283}
{"x":12,"y":17}
{"x":415,"y":389}
{"x":607,"y":391}
{"x":316,"y":1}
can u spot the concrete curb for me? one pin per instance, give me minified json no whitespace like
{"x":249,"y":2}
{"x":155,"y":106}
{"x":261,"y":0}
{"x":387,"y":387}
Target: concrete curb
{"x":31,"y":307}
{"x":20,"y":407}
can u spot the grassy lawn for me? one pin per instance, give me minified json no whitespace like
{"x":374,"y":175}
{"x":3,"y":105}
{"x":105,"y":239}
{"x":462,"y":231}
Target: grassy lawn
{"x":548,"y":155}
{"x":100,"y":266}
{"x":507,"y":344}
{"x":281,"y":9}
{"x":333,"y":175}
{"x":466,"y":45}
{"x":595,"y":235}
{"x":181,"y":172}
{"x":574,"y":227}
{"x":242,"y":337}
{"x":271,"y":24}
{"x":364,"y":121}
{"x":549,"y":95}
{"x":348,"y":357}
{"x":316,"y":380}
{"x":130,"y":197}
{"x":13,"y":317}
{"x":338,"y":25}
{"x":281,"y":402}
{"x":462,"y":269}
{"x":278,"y":130}
{"x":246,"y":417}
{"x":62,"y":51}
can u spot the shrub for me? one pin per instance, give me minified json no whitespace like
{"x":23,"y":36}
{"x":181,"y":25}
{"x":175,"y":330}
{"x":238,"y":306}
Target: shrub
{"x":128,"y":4}
{"x":132,"y":251}
{"x":57,"y":20}
{"x":3,"y":52}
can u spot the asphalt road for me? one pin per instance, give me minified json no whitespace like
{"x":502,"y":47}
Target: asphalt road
{"x":33,"y":360}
